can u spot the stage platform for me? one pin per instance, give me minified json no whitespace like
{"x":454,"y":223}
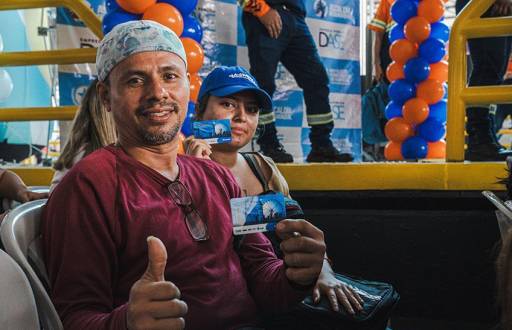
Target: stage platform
{"x":363,"y":176}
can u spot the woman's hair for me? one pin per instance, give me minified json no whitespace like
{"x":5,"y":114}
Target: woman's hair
{"x":504,"y":271}
{"x":93,"y":128}
{"x":201,"y":106}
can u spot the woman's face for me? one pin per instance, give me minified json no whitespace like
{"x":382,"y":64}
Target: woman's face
{"x":241,"y":109}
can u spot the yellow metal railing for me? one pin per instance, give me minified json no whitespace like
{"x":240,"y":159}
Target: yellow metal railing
{"x":468,"y":25}
{"x":61,"y":56}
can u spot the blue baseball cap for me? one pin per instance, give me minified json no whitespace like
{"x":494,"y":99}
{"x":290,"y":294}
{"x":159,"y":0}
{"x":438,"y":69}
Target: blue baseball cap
{"x":229,"y":80}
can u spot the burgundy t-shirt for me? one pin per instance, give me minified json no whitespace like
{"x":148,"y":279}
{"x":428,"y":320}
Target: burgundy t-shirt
{"x":94,"y":234}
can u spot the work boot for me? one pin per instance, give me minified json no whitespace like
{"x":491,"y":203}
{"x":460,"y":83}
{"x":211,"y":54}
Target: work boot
{"x":277,"y":153}
{"x":270,"y":145}
{"x":328,"y":154}
{"x":483,"y":145}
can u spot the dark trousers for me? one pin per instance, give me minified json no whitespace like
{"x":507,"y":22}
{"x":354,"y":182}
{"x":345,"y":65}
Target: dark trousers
{"x":490,"y":58}
{"x":296,"y":50}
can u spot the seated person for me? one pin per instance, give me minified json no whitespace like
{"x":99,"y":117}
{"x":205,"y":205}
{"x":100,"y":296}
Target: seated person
{"x":13,"y":188}
{"x":92,"y":128}
{"x":107,"y":268}
{"x":232,"y":93}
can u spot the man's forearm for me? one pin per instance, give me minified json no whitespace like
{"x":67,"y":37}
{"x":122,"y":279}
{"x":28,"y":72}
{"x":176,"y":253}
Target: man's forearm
{"x":377,"y":45}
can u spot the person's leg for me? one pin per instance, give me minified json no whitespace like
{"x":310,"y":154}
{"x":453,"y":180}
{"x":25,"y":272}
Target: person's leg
{"x":264,"y":55}
{"x":490,"y":59}
{"x":302,"y":60}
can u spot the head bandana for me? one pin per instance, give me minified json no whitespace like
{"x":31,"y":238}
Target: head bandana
{"x":135,"y":37}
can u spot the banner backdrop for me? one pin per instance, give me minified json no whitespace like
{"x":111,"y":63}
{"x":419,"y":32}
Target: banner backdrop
{"x":72,"y":33}
{"x":335,"y":26}
{"x":333,"y":23}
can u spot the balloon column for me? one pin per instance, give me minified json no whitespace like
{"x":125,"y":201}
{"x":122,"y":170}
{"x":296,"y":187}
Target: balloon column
{"x":418,"y":74}
{"x":176,"y":15}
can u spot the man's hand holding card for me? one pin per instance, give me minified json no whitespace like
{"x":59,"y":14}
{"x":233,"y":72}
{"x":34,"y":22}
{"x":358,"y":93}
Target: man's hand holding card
{"x":302,"y":243}
{"x":303,"y":253}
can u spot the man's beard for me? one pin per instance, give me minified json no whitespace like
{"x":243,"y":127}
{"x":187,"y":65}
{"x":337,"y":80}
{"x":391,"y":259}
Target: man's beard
{"x":159,"y":138}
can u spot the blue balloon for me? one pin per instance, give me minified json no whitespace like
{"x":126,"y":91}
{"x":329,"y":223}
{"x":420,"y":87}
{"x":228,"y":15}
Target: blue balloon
{"x":396,"y":33}
{"x":431,"y":130}
{"x":416,"y":69}
{"x":112,"y":5}
{"x":185,"y":7}
{"x":401,"y":90}
{"x":438,"y":111}
{"x":186,"y":128}
{"x":393,"y":110}
{"x":110,"y":20}
{"x":433,"y":50}
{"x":403,"y":10}
{"x":192,"y":29}
{"x":414,"y":148}
{"x":440,"y":31}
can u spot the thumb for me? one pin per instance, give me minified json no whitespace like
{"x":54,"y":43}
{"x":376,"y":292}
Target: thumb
{"x":157,"y":260}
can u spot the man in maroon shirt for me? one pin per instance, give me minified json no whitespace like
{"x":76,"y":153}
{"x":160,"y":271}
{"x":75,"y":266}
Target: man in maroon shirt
{"x":106,"y":267}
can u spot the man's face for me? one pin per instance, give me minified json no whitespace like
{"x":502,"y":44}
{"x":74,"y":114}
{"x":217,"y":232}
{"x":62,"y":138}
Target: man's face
{"x":241,"y":109}
{"x":148,"y":95}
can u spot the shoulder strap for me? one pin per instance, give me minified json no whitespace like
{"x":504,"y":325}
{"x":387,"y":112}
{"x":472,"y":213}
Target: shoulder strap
{"x":250,"y":158}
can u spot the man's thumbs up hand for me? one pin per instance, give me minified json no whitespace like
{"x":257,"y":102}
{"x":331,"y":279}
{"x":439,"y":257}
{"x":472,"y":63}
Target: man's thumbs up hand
{"x":157,"y":260}
{"x":155,"y":303}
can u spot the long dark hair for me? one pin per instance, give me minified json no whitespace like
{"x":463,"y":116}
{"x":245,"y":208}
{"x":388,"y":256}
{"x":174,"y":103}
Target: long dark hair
{"x":93,"y":128}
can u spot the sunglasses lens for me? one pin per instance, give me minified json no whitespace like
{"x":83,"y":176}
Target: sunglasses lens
{"x":195,"y":224}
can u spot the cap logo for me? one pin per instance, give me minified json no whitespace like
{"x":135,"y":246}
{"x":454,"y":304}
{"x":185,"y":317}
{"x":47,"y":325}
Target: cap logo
{"x":243,"y":76}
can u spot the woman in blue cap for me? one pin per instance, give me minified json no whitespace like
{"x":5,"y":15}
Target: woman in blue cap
{"x":233,"y":93}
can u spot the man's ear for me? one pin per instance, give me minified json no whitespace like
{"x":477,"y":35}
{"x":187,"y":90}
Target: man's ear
{"x":103,"y":90}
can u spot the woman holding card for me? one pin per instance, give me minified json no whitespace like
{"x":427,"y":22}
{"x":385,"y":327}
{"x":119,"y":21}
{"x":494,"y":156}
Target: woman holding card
{"x":232,"y":93}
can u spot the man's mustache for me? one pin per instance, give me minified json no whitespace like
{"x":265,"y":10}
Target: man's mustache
{"x":165,"y":106}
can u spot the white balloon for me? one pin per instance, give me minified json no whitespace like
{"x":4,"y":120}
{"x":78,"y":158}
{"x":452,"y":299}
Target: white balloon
{"x":6,"y":85}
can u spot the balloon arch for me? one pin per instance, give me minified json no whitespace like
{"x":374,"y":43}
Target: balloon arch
{"x":418,"y":74}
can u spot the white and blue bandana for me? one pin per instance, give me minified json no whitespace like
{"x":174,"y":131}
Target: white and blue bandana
{"x":135,"y":37}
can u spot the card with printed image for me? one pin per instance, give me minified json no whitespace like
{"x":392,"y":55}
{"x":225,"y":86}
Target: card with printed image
{"x":257,"y":214}
{"x":213,"y":131}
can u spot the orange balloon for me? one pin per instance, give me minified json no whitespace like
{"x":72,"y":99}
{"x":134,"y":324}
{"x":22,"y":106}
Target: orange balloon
{"x":395,"y":71}
{"x":195,"y":54}
{"x":195,"y":85}
{"x":402,"y":50}
{"x":393,"y":151}
{"x":397,"y":129}
{"x":417,"y":29}
{"x":439,"y":71}
{"x":167,"y":15}
{"x":136,"y":6}
{"x":431,"y":10}
{"x":430,"y":90}
{"x":436,"y":149}
{"x":415,"y":111}
{"x":181,"y":147}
